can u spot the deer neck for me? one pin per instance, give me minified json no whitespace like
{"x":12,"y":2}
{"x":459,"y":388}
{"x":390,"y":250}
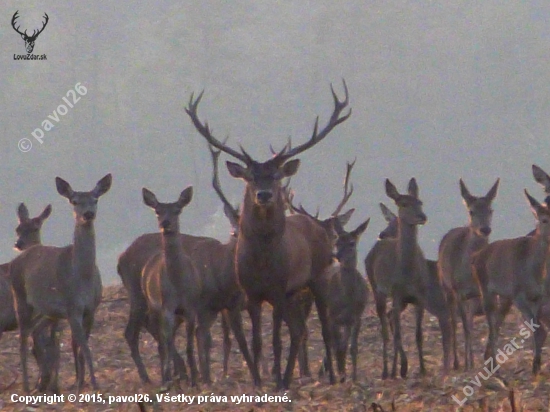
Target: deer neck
{"x":539,"y":250}
{"x":261,"y":222}
{"x":84,"y":251}
{"x":407,"y":244}
{"x":475,"y":241}
{"x":174,"y":258}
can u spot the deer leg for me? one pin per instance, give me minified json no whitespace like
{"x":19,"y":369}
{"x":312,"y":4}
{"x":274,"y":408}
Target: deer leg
{"x":190,"y":329}
{"x":235,"y":318}
{"x":465,"y":315}
{"x":46,"y":351}
{"x":322,"y":311}
{"x":166,"y":332}
{"x":137,"y":319}
{"x":303,"y":361}
{"x":451,"y":301}
{"x":354,"y":347}
{"x":341,"y":351}
{"x":419,"y":338}
{"x":397,"y":343}
{"x":227,"y":340}
{"x":296,"y":326}
{"x":530,"y":311}
{"x":278,"y":313}
{"x":381,"y":312}
{"x":489,"y":305}
{"x":255,"y":313}
{"x":180,"y":370}
{"x":204,"y":342}
{"x":79,"y":336}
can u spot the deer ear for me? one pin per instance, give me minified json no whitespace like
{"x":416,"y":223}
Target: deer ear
{"x":360,"y":229}
{"x":391,"y":190}
{"x":102,"y":186}
{"x":344,"y":218}
{"x":413,"y":188}
{"x":22,"y":213}
{"x":46,"y":212}
{"x":63,"y":188}
{"x":541,"y":177}
{"x":290,"y":168}
{"x":388,"y":214}
{"x":237,"y":171}
{"x":185,"y":197}
{"x":149,"y":198}
{"x":465,"y":193}
{"x":491,"y":194}
{"x":535,"y":205}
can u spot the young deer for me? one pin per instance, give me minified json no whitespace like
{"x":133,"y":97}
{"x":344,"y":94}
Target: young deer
{"x":171,"y":284}
{"x":436,"y":301}
{"x":397,"y":268}
{"x":220,"y":291}
{"x":455,"y":270}
{"x":52,"y":283}
{"x":347,"y":290}
{"x":513,"y":271}
{"x":276,"y":255}
{"x":28,"y":234}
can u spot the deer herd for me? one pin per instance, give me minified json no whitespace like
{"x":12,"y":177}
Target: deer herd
{"x":280,"y":254}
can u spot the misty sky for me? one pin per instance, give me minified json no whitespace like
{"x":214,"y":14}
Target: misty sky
{"x":439,"y":91}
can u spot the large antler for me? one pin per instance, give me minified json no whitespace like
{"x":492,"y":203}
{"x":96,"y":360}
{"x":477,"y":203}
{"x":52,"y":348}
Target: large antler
{"x":14,"y":18}
{"x":34,"y":33}
{"x":347,"y":193}
{"x":204,"y":130}
{"x":228,"y":207}
{"x":317,"y":136}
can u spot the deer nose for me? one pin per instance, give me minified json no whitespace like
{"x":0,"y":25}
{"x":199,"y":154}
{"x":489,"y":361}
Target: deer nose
{"x":165,"y":224}
{"x":422,"y":218}
{"x":264,"y":196}
{"x":485,"y":230}
{"x":19,"y":245}
{"x":89,"y":215}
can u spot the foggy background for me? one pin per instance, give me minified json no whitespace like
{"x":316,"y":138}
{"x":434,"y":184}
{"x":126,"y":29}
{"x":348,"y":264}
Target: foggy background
{"x":439,"y":91}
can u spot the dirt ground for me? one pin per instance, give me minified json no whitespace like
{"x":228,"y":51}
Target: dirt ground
{"x":117,"y":375}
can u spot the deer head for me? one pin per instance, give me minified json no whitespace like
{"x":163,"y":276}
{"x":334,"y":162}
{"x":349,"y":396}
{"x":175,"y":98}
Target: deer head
{"x":29,"y":40}
{"x":263,"y":179}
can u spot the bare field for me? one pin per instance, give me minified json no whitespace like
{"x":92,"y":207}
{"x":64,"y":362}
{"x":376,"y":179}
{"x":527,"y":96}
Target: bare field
{"x":117,"y":375}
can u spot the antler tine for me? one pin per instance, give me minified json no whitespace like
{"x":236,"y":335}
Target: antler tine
{"x":204,"y":130}
{"x":216,"y":182}
{"x":317,"y":136}
{"x":347,"y":194}
{"x":13,"y":22}
{"x":43,"y":26}
{"x":303,"y":211}
{"x":288,"y":196}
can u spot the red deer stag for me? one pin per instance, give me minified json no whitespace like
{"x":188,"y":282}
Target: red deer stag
{"x":53,"y":283}
{"x":513,"y":271}
{"x":277,"y":255}
{"x":455,"y":269}
{"x":397,"y":268}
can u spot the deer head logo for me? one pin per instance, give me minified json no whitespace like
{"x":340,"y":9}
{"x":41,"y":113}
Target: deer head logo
{"x":29,"y":40}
